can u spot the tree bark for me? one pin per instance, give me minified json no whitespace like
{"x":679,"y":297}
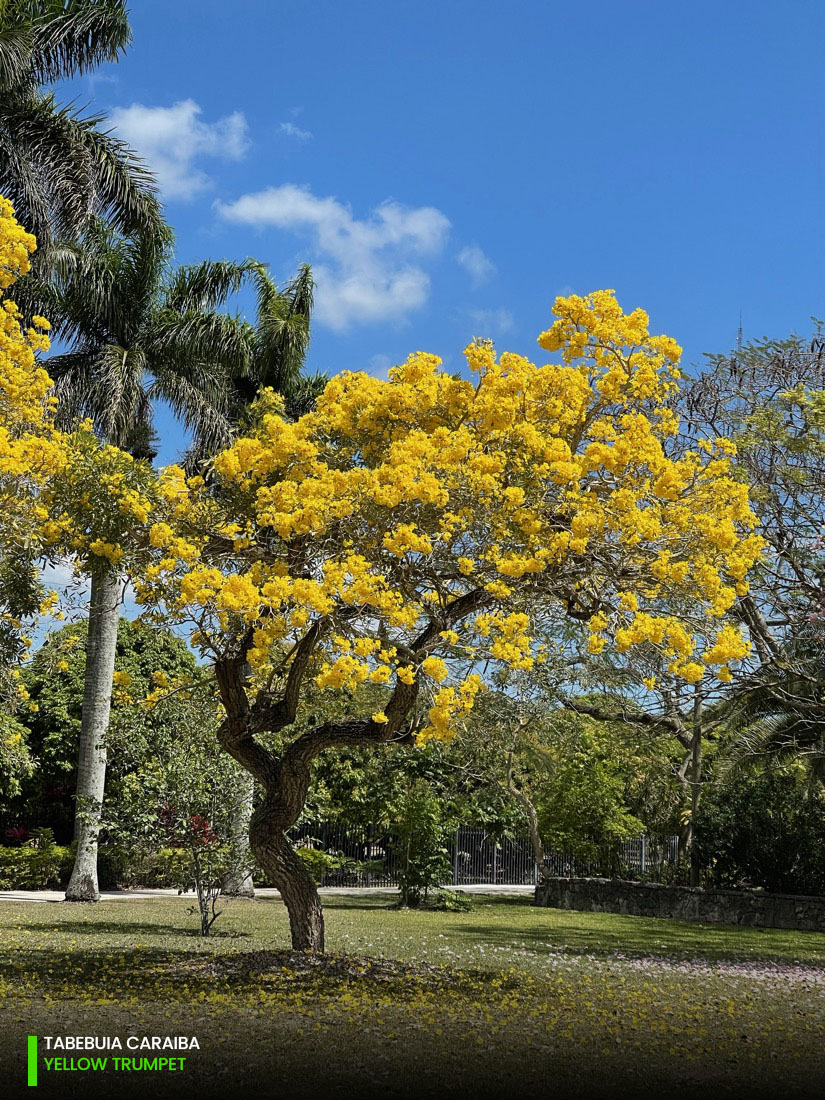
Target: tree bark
{"x":237,"y":882}
{"x":695,"y":787}
{"x":104,"y":615}
{"x":292,"y":880}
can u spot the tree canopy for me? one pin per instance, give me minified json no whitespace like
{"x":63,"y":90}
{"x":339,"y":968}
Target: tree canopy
{"x":419,"y":531}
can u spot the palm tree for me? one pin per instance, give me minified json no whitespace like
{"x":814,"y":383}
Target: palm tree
{"x":139,"y":332}
{"x":780,"y":711}
{"x":60,"y":169}
{"x":277,"y":346}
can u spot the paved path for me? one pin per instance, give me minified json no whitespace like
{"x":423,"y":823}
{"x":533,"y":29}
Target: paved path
{"x":265,"y":892}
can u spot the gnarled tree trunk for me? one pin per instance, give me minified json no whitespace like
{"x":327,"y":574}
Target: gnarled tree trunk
{"x":104,"y":615}
{"x":285,"y":777}
{"x":289,"y":875}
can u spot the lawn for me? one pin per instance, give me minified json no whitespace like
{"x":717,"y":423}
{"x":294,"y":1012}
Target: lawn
{"x":504,"y":999}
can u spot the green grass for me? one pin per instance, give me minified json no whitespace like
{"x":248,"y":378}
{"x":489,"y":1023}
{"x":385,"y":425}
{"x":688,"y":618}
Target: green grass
{"x":506,"y":996}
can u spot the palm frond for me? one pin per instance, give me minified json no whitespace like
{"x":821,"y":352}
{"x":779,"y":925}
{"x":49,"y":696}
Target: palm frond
{"x":207,"y":285}
{"x":70,"y":37}
{"x":215,"y":344}
{"x":80,"y":172}
{"x":199,"y":411}
{"x":16,"y":40}
{"x":282,"y":330}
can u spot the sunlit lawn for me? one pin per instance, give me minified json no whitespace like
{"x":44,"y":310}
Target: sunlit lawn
{"x":504,"y":999}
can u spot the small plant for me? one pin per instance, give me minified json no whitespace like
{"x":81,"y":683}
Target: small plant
{"x":18,"y":834}
{"x":317,"y":862}
{"x":43,"y":839}
{"x":451,"y":901}
{"x":425,"y":862}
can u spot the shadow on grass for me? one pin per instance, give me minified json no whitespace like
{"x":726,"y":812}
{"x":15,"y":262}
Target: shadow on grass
{"x":389,"y":902}
{"x":118,"y":928}
{"x":178,"y":975}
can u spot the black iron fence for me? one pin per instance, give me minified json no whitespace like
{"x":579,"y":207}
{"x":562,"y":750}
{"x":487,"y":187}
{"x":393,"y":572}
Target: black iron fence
{"x":372,"y":855}
{"x":641,"y":856}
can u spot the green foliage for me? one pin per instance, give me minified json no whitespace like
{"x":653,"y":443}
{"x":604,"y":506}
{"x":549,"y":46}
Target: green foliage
{"x":317,"y":862}
{"x":764,"y":829}
{"x":450,"y":901}
{"x":422,"y":836}
{"x":16,"y":764}
{"x":580,"y":790}
{"x":369,"y":787}
{"x":179,"y":794}
{"x":323,"y":865}
{"x":34,"y":868}
{"x":54,"y":680}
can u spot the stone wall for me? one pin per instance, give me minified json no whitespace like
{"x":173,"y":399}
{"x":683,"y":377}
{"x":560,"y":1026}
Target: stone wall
{"x":651,"y":899}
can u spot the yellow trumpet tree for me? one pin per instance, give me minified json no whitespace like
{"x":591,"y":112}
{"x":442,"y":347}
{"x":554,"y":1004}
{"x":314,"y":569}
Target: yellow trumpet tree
{"x":417,"y":533}
{"x":31,"y":451}
{"x":61,"y":496}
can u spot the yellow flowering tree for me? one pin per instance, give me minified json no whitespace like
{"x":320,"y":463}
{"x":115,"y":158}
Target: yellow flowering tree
{"x":31,"y":451}
{"x":60,"y":496}
{"x":419,"y":533}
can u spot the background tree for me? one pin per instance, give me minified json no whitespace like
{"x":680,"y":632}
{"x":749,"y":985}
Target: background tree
{"x":54,"y":681}
{"x":763,"y":826}
{"x":768,"y":398}
{"x":570,"y":774}
{"x":62,"y":170}
{"x":139,"y":332}
{"x":178,"y":787}
{"x":407,"y":527}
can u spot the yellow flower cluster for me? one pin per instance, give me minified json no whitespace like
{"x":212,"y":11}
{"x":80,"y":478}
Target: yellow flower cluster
{"x":30,"y":449}
{"x":527,"y":488}
{"x":449,"y":705}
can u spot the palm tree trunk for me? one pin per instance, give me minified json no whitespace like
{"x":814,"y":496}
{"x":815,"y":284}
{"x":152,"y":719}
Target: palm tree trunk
{"x":104,"y":616}
{"x":237,"y":882}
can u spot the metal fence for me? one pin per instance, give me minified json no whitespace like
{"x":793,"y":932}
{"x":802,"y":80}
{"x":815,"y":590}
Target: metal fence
{"x":371,"y":856}
{"x":643,"y":855}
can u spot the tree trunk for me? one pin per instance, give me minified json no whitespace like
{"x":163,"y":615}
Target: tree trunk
{"x":278,"y":858}
{"x":237,"y":882}
{"x":534,"y":831}
{"x":695,"y":787}
{"x":104,"y":615}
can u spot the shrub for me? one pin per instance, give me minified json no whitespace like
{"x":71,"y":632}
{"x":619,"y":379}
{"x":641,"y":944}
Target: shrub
{"x":763,"y":829}
{"x":34,"y":868}
{"x":317,"y":862}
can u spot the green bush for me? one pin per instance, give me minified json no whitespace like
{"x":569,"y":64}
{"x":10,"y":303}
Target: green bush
{"x":49,"y":867}
{"x":34,"y":868}
{"x":764,"y":829}
{"x":317,"y":862}
{"x":163,"y":869}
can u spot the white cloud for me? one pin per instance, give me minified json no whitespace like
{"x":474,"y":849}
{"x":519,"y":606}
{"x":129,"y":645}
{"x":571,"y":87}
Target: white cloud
{"x":367,"y":270}
{"x":172,"y":139}
{"x":379,"y":365}
{"x":492,"y":322}
{"x":293,"y":131}
{"x":476,"y":263}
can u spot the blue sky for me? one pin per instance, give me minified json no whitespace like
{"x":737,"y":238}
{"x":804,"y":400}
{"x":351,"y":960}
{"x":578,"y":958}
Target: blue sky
{"x":449,"y":168}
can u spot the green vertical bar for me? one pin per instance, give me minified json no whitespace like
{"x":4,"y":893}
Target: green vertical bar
{"x":32,"y":1059}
